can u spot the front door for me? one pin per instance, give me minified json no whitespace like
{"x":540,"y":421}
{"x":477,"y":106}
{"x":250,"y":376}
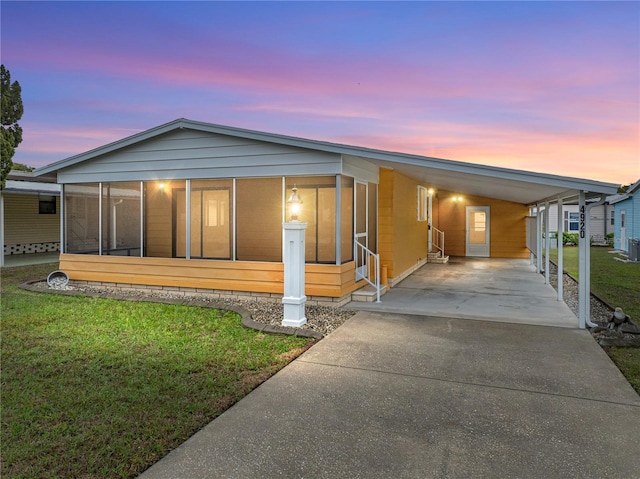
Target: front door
{"x":478,"y":227}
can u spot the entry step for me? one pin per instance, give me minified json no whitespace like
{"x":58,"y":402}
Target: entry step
{"x":437,"y":258}
{"x":367,"y":294}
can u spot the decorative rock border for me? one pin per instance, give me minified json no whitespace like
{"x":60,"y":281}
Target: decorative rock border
{"x":247,"y":320}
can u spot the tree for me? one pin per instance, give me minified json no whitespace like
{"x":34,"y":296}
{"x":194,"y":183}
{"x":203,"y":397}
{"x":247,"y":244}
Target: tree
{"x":11,"y":111}
{"x":21,"y":167}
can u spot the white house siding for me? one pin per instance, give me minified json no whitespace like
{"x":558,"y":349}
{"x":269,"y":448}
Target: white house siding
{"x":26,"y":230}
{"x":600,"y":226}
{"x":191,"y":154}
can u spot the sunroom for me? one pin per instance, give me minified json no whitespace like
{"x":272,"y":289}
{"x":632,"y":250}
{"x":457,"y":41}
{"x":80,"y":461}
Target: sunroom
{"x":205,"y":212}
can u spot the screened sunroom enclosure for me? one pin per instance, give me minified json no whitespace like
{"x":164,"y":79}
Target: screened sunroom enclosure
{"x":235,"y":219}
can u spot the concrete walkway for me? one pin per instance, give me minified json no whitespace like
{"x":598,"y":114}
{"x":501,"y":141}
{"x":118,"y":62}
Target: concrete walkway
{"x":408,"y":396}
{"x":14,"y":260}
{"x":504,"y":290}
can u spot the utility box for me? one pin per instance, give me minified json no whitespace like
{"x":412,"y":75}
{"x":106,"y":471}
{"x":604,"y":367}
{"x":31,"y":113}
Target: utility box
{"x":634,"y":250}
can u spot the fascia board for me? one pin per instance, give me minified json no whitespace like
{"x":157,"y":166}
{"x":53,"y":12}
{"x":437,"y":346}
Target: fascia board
{"x":366,"y":153}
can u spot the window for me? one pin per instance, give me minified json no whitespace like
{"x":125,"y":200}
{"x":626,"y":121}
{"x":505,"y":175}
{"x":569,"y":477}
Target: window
{"x":318,"y":195}
{"x":121,"y":218}
{"x":81,"y":210}
{"x":422,"y":203}
{"x":46,"y":205}
{"x":571,"y":221}
{"x":259,"y":208}
{"x":211,"y":219}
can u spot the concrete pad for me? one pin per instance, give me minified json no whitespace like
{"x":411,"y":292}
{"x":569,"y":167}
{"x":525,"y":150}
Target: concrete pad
{"x":502,"y":290}
{"x":412,"y":397}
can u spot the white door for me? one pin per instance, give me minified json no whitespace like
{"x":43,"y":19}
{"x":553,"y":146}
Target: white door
{"x":623,"y":231}
{"x":361,"y":227}
{"x":478,"y":240}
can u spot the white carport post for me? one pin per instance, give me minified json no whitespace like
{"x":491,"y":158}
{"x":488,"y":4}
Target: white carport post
{"x":560,"y":251}
{"x":584,"y":253}
{"x":546,"y":243}
{"x":539,"y":239}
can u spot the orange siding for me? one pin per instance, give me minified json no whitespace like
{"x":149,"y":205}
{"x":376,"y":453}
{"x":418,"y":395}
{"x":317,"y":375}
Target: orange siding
{"x":261,"y":277}
{"x":402,"y":238}
{"x":508,"y":229}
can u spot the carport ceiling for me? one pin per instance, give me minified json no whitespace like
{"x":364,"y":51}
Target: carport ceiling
{"x":499,"y":183}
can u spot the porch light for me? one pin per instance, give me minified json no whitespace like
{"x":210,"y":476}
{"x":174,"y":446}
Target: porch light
{"x":295,"y":204}
{"x":161,"y":186}
{"x":430,"y":191}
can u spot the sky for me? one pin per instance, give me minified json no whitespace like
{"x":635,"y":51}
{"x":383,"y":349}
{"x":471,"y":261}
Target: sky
{"x":552,"y":87}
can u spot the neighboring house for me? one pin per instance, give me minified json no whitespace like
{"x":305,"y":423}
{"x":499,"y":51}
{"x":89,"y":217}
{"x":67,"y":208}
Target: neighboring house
{"x":29,"y":215}
{"x":197,"y":206}
{"x":626,"y":216}
{"x":601,"y":220}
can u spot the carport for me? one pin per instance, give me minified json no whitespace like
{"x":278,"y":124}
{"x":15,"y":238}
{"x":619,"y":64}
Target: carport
{"x":536,"y":190}
{"x":489,"y":289}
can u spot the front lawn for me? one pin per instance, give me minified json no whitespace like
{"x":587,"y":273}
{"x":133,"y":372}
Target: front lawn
{"x":619,"y":285}
{"x":616,"y":282}
{"x":99,"y":388}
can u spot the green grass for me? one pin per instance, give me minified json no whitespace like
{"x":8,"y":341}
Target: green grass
{"x":616,"y":282}
{"x":99,"y":388}
{"x":628,"y":361}
{"x":619,"y":285}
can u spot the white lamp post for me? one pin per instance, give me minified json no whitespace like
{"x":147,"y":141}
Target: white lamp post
{"x":294,"y":298}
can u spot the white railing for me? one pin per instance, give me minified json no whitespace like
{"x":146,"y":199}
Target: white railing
{"x":367,"y":267}
{"x":438,"y":239}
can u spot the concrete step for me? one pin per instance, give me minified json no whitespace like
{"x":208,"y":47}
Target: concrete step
{"x":439,"y":260}
{"x":436,"y":257}
{"x":367,"y":294}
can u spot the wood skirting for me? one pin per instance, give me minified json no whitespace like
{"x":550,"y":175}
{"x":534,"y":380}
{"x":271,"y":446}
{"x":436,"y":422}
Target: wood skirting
{"x":332,"y":281}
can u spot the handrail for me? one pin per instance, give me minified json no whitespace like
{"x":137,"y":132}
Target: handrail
{"x":363,"y":257}
{"x":438,"y":241}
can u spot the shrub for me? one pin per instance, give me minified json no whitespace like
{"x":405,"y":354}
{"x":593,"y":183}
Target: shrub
{"x":569,"y":239}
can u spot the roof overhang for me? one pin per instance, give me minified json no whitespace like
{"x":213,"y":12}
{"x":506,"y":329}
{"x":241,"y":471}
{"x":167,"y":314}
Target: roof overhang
{"x":519,"y":186}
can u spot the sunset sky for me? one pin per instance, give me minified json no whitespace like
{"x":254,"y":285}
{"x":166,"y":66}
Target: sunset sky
{"x":542,"y":86}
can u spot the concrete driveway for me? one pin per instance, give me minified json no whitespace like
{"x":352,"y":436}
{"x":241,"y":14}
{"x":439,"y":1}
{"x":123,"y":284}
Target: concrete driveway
{"x":407,"y":396}
{"x":490,"y":289}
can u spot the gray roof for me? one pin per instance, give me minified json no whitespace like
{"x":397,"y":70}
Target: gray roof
{"x":520,"y":186}
{"x":621,"y":197}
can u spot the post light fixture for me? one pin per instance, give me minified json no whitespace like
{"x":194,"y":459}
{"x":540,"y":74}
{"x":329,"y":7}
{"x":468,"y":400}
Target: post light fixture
{"x":295,"y":204}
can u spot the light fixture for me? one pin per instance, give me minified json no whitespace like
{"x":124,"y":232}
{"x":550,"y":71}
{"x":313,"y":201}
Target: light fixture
{"x":295,"y":204}
{"x":161,"y":186}
{"x":430,"y":191}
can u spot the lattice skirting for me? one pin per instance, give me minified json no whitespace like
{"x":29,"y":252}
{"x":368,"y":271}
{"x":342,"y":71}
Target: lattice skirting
{"x":28,"y":248}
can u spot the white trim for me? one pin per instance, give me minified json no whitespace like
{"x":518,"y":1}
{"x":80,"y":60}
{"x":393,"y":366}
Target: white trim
{"x":187,"y":214}
{"x":338,"y":220}
{"x":560,"y":283}
{"x":565,"y":185}
{"x":547,"y":241}
{"x":422,"y":212}
{"x":142,"y":219}
{"x":469,"y":251}
{"x":396,"y":279}
{"x":100,"y":219}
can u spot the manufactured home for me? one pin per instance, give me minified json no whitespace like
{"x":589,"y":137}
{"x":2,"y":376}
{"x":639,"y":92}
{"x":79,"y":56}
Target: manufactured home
{"x":200,"y":207}
{"x":29,"y":215}
{"x":627,"y":217}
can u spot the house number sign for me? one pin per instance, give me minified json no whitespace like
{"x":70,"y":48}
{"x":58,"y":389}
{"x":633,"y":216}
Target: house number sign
{"x":582,"y":225}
